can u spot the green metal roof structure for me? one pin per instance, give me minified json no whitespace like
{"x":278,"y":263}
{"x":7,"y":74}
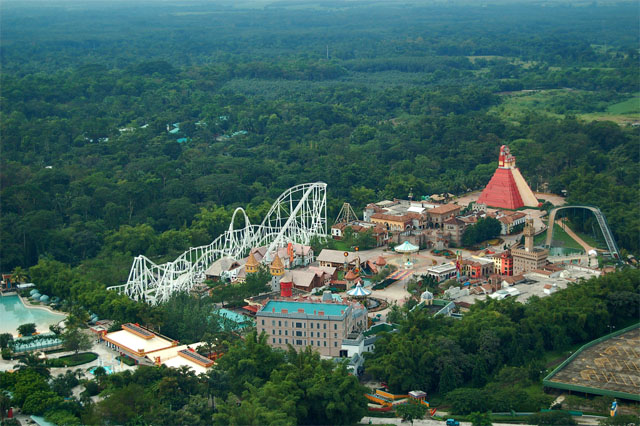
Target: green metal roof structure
{"x":615,"y":367}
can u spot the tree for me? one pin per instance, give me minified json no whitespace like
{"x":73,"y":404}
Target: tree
{"x":32,"y":361}
{"x":411,"y":411}
{"x":5,"y":340}
{"x":480,"y":419}
{"x":75,"y":340}
{"x":18,"y":275}
{"x":27,"y":329}
{"x":5,"y":404}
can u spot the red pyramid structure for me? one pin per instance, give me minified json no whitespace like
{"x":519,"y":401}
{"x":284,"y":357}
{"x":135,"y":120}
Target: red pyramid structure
{"x":507,"y":188}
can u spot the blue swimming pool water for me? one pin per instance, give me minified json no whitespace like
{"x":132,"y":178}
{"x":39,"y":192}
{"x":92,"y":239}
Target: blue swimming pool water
{"x":13,"y":313}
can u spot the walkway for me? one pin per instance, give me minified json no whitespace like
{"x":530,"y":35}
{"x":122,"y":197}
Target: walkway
{"x":423,"y":422}
{"x":562,"y":223}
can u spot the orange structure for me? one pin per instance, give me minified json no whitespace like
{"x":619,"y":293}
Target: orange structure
{"x":506,"y":263}
{"x":507,"y":188}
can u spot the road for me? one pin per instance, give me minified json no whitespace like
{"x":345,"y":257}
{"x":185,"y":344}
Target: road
{"x":423,"y":422}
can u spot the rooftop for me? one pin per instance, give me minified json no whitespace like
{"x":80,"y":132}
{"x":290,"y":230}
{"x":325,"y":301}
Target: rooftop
{"x":308,"y":308}
{"x":444,"y":209}
{"x":126,"y":339}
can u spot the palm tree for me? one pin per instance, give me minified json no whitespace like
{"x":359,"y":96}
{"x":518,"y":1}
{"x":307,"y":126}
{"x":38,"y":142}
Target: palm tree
{"x":18,"y":275}
{"x":32,"y":361}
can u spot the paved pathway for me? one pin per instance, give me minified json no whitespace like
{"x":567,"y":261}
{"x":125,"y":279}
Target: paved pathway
{"x":562,"y":223}
{"x":423,"y":422}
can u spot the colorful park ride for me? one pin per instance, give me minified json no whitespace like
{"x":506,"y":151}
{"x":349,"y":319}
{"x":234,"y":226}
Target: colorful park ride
{"x":389,"y":400}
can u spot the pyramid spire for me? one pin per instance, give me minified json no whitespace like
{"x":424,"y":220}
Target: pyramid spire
{"x":507,"y":188}
{"x":252,"y":264}
{"x":277,"y":268}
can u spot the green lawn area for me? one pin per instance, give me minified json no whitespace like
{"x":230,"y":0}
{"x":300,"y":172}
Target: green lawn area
{"x":562,"y":239}
{"x":339,"y":245}
{"x":73,"y":360}
{"x":126,"y":360}
{"x":515,"y":104}
{"x":630,"y":106}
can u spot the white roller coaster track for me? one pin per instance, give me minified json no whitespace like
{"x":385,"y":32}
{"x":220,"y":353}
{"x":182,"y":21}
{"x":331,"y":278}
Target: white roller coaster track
{"x":297,"y":215}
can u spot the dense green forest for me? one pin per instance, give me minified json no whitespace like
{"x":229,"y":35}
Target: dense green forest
{"x":372,"y":100}
{"x":129,"y":128}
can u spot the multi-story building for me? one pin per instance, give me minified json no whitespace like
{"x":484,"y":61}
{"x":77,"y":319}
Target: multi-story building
{"x":438,"y":215}
{"x":528,"y":258}
{"x":323,"y":326}
{"x":454,"y":228}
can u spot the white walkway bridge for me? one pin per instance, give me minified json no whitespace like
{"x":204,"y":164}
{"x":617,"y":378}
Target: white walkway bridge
{"x":297,"y":215}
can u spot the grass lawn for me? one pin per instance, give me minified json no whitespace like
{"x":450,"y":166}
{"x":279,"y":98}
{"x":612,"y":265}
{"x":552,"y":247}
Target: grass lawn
{"x":73,"y":360}
{"x":562,"y":239}
{"x":126,"y":360}
{"x":515,"y":104}
{"x":339,"y":245}
{"x":630,"y":106}
{"x":625,"y":112}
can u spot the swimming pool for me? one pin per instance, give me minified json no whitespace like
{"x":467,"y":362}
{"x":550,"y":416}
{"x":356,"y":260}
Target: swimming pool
{"x":13,"y":313}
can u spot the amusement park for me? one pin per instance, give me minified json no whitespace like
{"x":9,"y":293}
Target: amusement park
{"x":339,"y":287}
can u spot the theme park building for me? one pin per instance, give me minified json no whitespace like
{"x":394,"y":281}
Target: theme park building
{"x":507,"y":188}
{"x":302,"y":323}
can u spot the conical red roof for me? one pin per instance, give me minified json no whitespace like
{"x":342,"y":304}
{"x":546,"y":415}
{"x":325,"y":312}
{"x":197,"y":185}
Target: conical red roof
{"x":350,"y":276}
{"x":502,"y":191}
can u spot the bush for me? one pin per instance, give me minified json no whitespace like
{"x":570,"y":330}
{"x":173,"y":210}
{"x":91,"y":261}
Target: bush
{"x":27,"y":329}
{"x":468,"y":400}
{"x":62,"y":417}
{"x":91,"y":388}
{"x":73,"y":360}
{"x":6,"y":353}
{"x":5,"y":340}
{"x":560,"y":418}
{"x":126,"y":360}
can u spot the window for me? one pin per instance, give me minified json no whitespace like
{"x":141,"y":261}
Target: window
{"x":325,"y":335}
{"x":299,"y":342}
{"x":280,"y":332}
{"x":335,"y":344}
{"x":274,"y":340}
{"x":279,"y":340}
{"x":299,"y":333}
{"x":273,"y":322}
{"x":286,"y":341}
{"x":286,"y":323}
{"x":335,"y":326}
{"x":311,"y":325}
{"x":279,"y":323}
{"x":312,"y":334}
{"x":319,"y":343}
{"x":274,"y":332}
{"x":325,"y":326}
{"x":318,"y":326}
{"x":311,"y":341}
{"x":298,"y":325}
{"x":325,"y":343}
{"x":286,"y":332}
{"x":262,"y":322}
